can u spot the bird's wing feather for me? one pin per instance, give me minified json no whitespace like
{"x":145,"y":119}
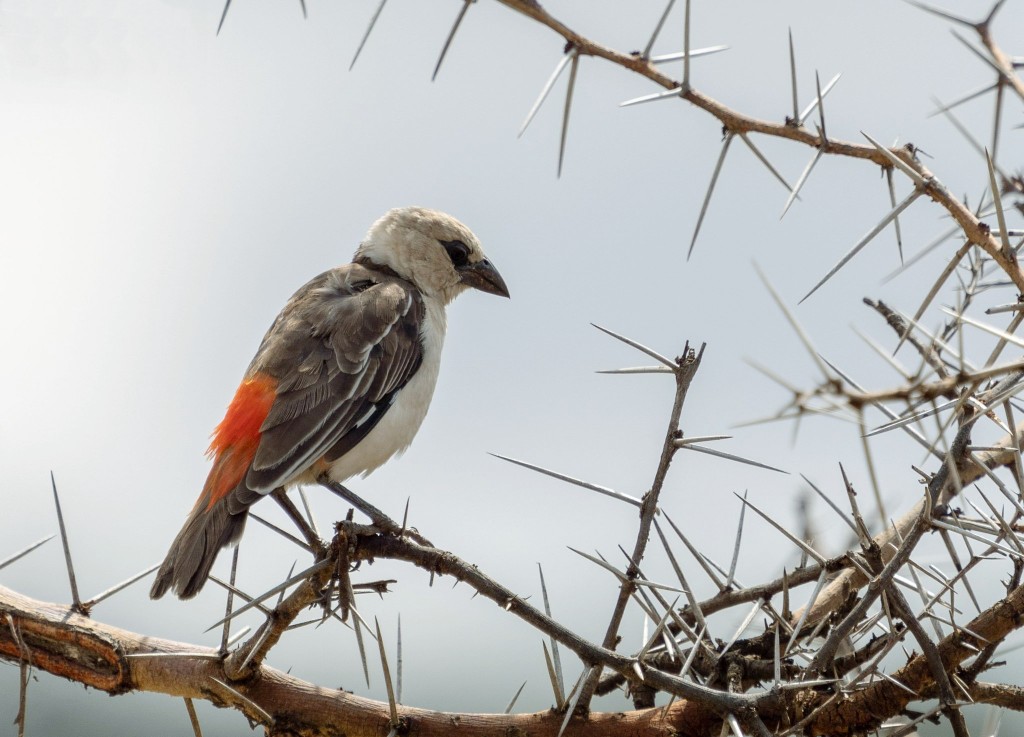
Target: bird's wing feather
{"x":355,"y":334}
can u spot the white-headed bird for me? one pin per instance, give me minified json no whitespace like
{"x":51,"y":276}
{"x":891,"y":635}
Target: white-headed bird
{"x":340,"y":383}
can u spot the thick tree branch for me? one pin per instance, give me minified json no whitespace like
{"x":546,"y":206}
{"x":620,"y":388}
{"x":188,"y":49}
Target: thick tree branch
{"x":873,"y":704}
{"x":117,"y":661}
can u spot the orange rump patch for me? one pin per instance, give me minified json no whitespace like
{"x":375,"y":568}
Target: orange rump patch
{"x":237,"y":436}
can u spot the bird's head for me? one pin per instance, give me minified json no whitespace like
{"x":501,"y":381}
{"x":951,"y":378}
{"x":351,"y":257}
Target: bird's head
{"x":434,"y":251}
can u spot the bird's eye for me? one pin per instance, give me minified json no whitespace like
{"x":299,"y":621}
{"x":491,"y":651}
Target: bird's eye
{"x":457,"y":251}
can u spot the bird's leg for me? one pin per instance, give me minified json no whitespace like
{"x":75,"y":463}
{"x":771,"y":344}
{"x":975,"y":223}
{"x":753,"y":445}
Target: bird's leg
{"x":318,"y":545}
{"x":379,"y":519}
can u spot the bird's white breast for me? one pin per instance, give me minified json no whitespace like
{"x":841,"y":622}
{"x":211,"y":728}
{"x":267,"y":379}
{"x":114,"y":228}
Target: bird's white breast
{"x":396,"y":429}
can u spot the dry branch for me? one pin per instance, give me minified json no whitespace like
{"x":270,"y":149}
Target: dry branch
{"x":756,"y":682}
{"x":76,"y":647}
{"x":73,"y":646}
{"x":975,"y":230}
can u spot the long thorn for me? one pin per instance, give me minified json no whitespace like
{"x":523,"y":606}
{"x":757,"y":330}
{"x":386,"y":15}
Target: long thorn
{"x":736,"y":546}
{"x":711,"y":189}
{"x":67,"y":550}
{"x":555,"y":656}
{"x":940,"y":13}
{"x":392,"y":705}
{"x":896,"y":220}
{"x":118,"y":587}
{"x":515,"y":697}
{"x":821,"y":108}
{"x":1002,"y":334}
{"x":892,"y":214}
{"x":369,"y":29}
{"x":357,"y":627}
{"x":578,"y":691}
{"x":556,"y":687}
{"x":267,"y":594}
{"x":832,"y":504}
{"x":970,"y":47}
{"x":966,"y":98}
{"x":652,"y":97}
{"x":998,"y":201}
{"x":223,"y":15}
{"x":640,"y":347}
{"x":584,"y":484}
{"x":657,"y":29}
{"x":568,"y":108}
{"x":694,"y":53}
{"x":252,"y":650}
{"x":997,"y":118}
{"x":818,"y":100}
{"x":24,"y":551}
{"x":226,"y":633}
{"x":398,"y":661}
{"x":686,"y":47}
{"x":807,"y":608}
{"x":795,"y":192}
{"x":897,"y":161}
{"x":648,"y":369}
{"x":193,"y":718}
{"x":235,"y":638}
{"x":698,"y":614}
{"x":792,"y":79}
{"x":239,"y":593}
{"x":921,"y":254}
{"x":801,"y":334}
{"x":309,"y":511}
{"x":730,"y":456}
{"x":451,"y":36}
{"x":252,"y":704}
{"x":947,"y":270}
{"x":761,"y":157}
{"x":620,"y":575}
{"x":818,"y":557}
{"x":743,"y":625}
{"x":545,"y":91}
{"x":283,"y":533}
{"x":697,"y":555}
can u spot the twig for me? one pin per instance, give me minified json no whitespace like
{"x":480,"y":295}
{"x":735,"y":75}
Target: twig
{"x":687,"y":367}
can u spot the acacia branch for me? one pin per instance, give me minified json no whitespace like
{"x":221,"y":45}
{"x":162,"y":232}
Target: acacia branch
{"x":63,"y":641}
{"x":882,"y":699}
{"x":686,"y":368}
{"x":117,"y":661}
{"x":60,"y":641}
{"x":973,"y":228}
{"x":1002,"y":454}
{"x":442,"y":562}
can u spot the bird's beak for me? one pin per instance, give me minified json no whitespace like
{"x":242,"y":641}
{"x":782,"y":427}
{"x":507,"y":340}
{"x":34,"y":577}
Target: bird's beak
{"x":483,"y":276}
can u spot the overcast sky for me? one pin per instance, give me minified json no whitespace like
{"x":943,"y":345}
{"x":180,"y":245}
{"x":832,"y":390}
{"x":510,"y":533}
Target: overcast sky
{"x":165,"y":190}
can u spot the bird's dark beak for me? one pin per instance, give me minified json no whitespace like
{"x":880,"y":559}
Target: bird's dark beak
{"x":483,"y":276}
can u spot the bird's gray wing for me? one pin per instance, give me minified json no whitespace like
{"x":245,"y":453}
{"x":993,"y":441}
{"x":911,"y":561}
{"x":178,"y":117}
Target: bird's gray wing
{"x":339,"y":351}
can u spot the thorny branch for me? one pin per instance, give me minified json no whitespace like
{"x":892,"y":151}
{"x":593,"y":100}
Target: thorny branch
{"x":974,"y":229}
{"x":685,"y":369}
{"x":814,"y":689}
{"x":71,"y":645}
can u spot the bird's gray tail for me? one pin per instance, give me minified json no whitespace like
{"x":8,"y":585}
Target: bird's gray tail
{"x":195,"y":549}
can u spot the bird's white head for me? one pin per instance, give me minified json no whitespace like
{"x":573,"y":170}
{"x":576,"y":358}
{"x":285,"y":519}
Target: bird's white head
{"x":434,"y":251}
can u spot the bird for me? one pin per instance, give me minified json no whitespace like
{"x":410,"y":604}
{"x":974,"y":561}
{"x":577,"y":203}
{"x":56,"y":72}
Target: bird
{"x":340,"y":383}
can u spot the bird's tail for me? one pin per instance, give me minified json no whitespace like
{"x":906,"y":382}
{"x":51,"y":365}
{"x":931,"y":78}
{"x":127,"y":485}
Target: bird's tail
{"x":209,"y":528}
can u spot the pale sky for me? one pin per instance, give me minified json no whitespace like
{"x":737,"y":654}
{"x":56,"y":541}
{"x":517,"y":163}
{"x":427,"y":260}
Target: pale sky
{"x":167,"y":189}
